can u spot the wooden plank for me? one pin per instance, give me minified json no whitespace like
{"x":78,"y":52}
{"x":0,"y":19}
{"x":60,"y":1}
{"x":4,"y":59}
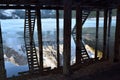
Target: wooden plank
{"x":67,"y":37}
{"x":2,"y":64}
{"x":1,"y":48}
{"x":109,"y":28}
{"x":47,"y":7}
{"x":57,"y":29}
{"x":39,"y":31}
{"x":97,"y":31}
{"x":117,"y":38}
{"x":78,"y":33}
{"x":31,"y":39}
{"x":100,"y":3}
{"x":105,"y":33}
{"x":32,"y":7}
{"x":31,"y":2}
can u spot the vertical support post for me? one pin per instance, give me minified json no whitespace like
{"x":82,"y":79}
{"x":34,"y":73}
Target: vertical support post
{"x":39,"y":30}
{"x":78,"y":33}
{"x":2,"y":64}
{"x":24,"y":24}
{"x":117,"y":38}
{"x":97,"y":31}
{"x":67,"y":37}
{"x":57,"y":29}
{"x":109,"y":28}
{"x":105,"y":33}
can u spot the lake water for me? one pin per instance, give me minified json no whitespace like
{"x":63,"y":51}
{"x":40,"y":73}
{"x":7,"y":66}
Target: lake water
{"x":11,"y":29}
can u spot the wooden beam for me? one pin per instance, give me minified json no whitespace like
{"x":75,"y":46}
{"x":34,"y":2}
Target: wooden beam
{"x":31,"y":40}
{"x":109,"y":28}
{"x":30,"y":2}
{"x":57,"y":29}
{"x":39,"y":30}
{"x":100,"y":4}
{"x":117,"y":38}
{"x":32,"y":7}
{"x":97,"y":32}
{"x":105,"y":33}
{"x":49,"y":7}
{"x":2,"y":64}
{"x":67,"y":37}
{"x":78,"y":33}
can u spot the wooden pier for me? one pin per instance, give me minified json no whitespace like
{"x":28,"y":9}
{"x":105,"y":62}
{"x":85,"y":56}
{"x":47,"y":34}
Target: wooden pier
{"x":83,"y":9}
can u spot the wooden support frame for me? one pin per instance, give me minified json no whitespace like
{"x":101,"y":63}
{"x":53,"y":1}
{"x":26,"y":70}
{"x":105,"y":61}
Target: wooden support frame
{"x":117,"y":38}
{"x":105,"y":34}
{"x":31,"y":40}
{"x":39,"y":30}
{"x":108,"y":35}
{"x":57,"y":29}
{"x":78,"y":33}
{"x":67,"y":37}
{"x":97,"y":32}
{"x":2,"y":64}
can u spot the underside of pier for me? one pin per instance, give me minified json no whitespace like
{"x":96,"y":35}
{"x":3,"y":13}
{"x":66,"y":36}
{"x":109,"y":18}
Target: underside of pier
{"x":83,"y":64}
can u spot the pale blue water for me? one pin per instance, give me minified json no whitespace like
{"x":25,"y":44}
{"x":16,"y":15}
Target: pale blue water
{"x":11,"y":28}
{"x":12,"y":70}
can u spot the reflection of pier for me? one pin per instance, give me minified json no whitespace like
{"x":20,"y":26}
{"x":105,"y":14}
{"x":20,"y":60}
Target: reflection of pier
{"x":76,"y":33}
{"x":29,"y":25}
{"x":67,"y":6}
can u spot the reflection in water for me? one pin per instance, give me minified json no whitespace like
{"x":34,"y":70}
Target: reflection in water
{"x":13,"y":38}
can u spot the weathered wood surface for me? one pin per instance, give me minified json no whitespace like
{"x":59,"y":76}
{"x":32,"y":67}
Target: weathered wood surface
{"x":105,"y":34}
{"x":78,"y":33}
{"x":108,"y":35}
{"x":97,"y":31}
{"x":67,"y":37}
{"x":57,"y":38}
{"x":60,"y":3}
{"x":39,"y":31}
{"x":2,"y":64}
{"x":117,"y":38}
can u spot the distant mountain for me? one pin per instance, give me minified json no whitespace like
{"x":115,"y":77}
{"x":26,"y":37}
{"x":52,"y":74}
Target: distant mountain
{"x":16,"y":14}
{"x":48,"y":14}
{"x":8,"y":14}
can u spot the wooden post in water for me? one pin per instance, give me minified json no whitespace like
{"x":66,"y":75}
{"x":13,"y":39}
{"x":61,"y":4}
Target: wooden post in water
{"x":2,"y":64}
{"x":109,"y":28}
{"x":105,"y":33}
{"x":39,"y":30}
{"x":67,"y":37}
{"x":78,"y":33}
{"x":31,"y":40}
{"x":57,"y":29}
{"x":97,"y":31}
{"x":117,"y":38}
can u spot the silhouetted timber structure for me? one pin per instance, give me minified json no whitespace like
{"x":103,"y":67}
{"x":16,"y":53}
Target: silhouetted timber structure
{"x":83,"y":9}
